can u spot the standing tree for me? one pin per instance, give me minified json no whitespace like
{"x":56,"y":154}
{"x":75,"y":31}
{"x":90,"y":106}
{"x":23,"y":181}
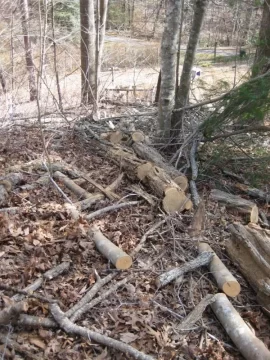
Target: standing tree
{"x":88,"y":62}
{"x":28,"y":49}
{"x":262,"y":57}
{"x":168,"y":56}
{"x":184,"y":87}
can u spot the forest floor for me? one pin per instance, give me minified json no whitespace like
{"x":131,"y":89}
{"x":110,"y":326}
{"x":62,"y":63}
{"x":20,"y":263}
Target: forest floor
{"x":42,"y":234}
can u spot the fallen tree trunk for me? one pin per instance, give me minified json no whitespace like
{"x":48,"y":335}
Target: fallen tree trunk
{"x":249,"y":248}
{"x":224,"y":278}
{"x":247,"y":343}
{"x":173,"y":198}
{"x":118,"y":257}
{"x":236,"y":202}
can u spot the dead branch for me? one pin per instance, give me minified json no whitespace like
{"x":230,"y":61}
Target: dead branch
{"x":136,"y":189}
{"x":71,"y":328}
{"x":109,"y":193}
{"x":253,"y":192}
{"x":118,"y":257}
{"x":71,"y":185}
{"x":197,"y":223}
{"x":10,"y":314}
{"x":90,"y":294}
{"x":36,"y":322}
{"x":12,"y":344}
{"x":194,"y":193}
{"x":224,"y":278}
{"x":26,"y":293}
{"x":248,"y":344}
{"x":110,"y":208}
{"x":196,"y":314}
{"x":202,"y":260}
{"x":78,"y":314}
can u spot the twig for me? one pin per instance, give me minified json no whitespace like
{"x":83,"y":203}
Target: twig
{"x":78,"y":314}
{"x":110,"y":208}
{"x":201,"y":260}
{"x":26,"y":293}
{"x":71,"y":328}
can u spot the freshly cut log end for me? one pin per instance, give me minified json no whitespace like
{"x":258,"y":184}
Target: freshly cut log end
{"x":231,"y":288}
{"x":137,"y":136}
{"x":116,"y":137}
{"x":224,"y":278}
{"x":182,"y":182}
{"x":123,"y":263}
{"x":174,"y":200}
{"x":188,"y":205}
{"x":254,"y":214}
{"x":143,"y":170}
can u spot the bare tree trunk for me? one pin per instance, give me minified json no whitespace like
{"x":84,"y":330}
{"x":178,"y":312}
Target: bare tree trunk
{"x":28,"y":49}
{"x":262,"y":57}
{"x":156,"y":19}
{"x":88,"y":34}
{"x":183,"y":90}
{"x":158,"y":88}
{"x":179,"y":46}
{"x":168,"y":65}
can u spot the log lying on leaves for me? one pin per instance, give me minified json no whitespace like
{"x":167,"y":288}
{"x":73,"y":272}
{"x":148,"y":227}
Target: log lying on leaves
{"x":71,"y":185}
{"x":202,"y":260}
{"x":236,"y":202}
{"x":173,"y":197}
{"x":224,"y":278}
{"x":247,"y":343}
{"x":118,"y":257}
{"x":249,"y":248}
{"x":253,"y":192}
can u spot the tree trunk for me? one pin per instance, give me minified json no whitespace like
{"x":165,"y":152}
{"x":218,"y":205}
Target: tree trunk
{"x":262,"y":57}
{"x":168,"y":65}
{"x":183,"y":90}
{"x":28,"y":49}
{"x":87,"y":51}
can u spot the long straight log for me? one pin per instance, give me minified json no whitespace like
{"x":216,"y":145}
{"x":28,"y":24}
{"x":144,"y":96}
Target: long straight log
{"x":71,"y":185}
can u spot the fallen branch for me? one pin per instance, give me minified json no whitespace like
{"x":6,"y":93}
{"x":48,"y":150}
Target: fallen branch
{"x":12,"y":344}
{"x":71,"y":328}
{"x":224,"y":278}
{"x":78,"y":314}
{"x":36,"y":322}
{"x":196,"y":314}
{"x":110,"y":208}
{"x":10,"y":314}
{"x":26,"y":293}
{"x":197,"y":222}
{"x":71,"y":185}
{"x":202,"y":260}
{"x":247,"y":343}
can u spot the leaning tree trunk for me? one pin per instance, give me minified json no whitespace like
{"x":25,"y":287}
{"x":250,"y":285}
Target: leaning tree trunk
{"x":88,"y":41}
{"x":183,"y":90}
{"x":168,"y":65}
{"x":28,"y":49}
{"x":262,"y":57}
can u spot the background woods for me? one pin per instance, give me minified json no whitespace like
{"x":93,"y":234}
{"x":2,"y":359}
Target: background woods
{"x":134,"y":185}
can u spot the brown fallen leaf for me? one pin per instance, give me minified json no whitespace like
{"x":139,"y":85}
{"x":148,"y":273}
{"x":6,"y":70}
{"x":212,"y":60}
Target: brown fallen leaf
{"x":37,"y":342}
{"x":128,"y":337}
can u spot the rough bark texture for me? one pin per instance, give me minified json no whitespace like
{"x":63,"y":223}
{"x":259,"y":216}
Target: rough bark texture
{"x":249,"y":248}
{"x":103,"y":19}
{"x":183,"y":90}
{"x":262,"y":57}
{"x":236,"y":202}
{"x":247,"y":343}
{"x":28,"y":49}
{"x":168,"y":65}
{"x":87,"y":51}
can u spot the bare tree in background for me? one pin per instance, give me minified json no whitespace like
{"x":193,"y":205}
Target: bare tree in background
{"x":28,"y":49}
{"x":262,"y":57}
{"x":88,"y":63}
{"x":168,"y":65}
{"x":184,"y":87}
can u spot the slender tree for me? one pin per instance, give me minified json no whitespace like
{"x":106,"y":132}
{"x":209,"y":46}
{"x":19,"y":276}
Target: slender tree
{"x":28,"y":49}
{"x":168,"y":56}
{"x":184,"y":87}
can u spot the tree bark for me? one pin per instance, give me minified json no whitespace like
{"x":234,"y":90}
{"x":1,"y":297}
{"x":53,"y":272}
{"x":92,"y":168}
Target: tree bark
{"x":183,"y":90}
{"x":168,"y":65}
{"x":88,"y":61}
{"x":28,"y":49}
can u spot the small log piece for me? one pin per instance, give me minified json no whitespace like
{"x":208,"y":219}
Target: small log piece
{"x":118,"y":257}
{"x":197,"y":223}
{"x":247,"y":343}
{"x":71,"y":185}
{"x":224,"y":278}
{"x":249,"y":248}
{"x":236,"y":202}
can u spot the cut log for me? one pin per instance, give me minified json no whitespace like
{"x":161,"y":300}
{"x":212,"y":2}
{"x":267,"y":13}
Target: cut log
{"x":253,"y":192}
{"x":154,"y":177}
{"x":71,"y":185}
{"x":236,"y":202}
{"x":197,"y":223}
{"x":137,"y":136}
{"x":118,"y":257}
{"x":249,"y":248}
{"x":247,"y":343}
{"x":150,"y":154}
{"x":224,"y":278}
{"x":116,"y":137}
{"x":182,"y":182}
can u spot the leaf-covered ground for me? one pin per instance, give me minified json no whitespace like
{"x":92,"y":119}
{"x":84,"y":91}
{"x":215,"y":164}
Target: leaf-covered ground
{"x":43,"y":233}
